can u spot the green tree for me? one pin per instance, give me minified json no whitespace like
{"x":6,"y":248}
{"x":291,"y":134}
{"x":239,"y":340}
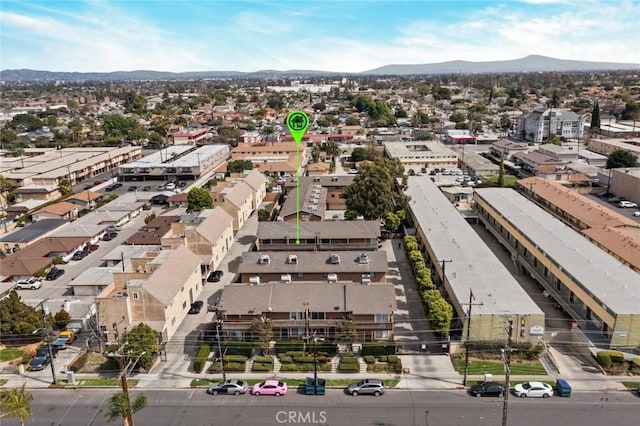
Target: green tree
{"x":199,"y":199}
{"x":595,"y":118}
{"x":621,"y":158}
{"x":346,"y":331}
{"x":441,"y":314}
{"x":239,"y":166}
{"x":500,"y":181}
{"x":18,"y":317}
{"x":16,"y":403}
{"x":150,"y":217}
{"x":115,"y":125}
{"x":420,"y":119}
{"x":315,"y":153}
{"x":27,"y":122}
{"x":120,"y":406}
{"x":65,"y":187}
{"x":263,"y":215}
{"x":142,"y":338}
{"x":332,"y":149}
{"x":61,"y":319}
{"x":372,"y":192}
{"x":352,"y":121}
{"x":392,"y":222}
{"x":350,"y":215}
{"x":135,"y":103}
{"x":319,"y":106}
{"x":262,"y":329}
{"x":358,"y":154}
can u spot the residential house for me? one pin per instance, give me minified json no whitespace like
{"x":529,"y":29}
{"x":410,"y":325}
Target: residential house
{"x":532,"y":161}
{"x":85,"y":199}
{"x":37,"y":192}
{"x":61,"y":210}
{"x":152,"y":232}
{"x":158,"y":290}
{"x":22,"y":237}
{"x":505,"y":149}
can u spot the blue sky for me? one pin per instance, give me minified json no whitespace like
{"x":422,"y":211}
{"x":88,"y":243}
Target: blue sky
{"x":345,"y":35}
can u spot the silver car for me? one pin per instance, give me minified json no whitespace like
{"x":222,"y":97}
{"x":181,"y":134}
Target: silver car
{"x":373,"y":387}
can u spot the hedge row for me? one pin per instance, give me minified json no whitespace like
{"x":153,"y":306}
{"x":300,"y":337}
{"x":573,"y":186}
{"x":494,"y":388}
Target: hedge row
{"x":235,"y":358}
{"x":304,"y":367}
{"x":604,"y":360}
{"x":234,"y":347}
{"x":262,"y":366}
{"x":438,"y":310}
{"x":284,"y":346}
{"x":378,"y":348}
{"x":201,"y":358}
{"x":615,"y":356}
{"x":228,"y":366}
{"x":263,"y":359}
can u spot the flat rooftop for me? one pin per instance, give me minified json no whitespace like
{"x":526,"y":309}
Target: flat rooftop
{"x":160,"y":158}
{"x":33,"y":231}
{"x":473,"y":265}
{"x":604,"y":277}
{"x":352,"y":229}
{"x":418,"y":149}
{"x":313,"y":262}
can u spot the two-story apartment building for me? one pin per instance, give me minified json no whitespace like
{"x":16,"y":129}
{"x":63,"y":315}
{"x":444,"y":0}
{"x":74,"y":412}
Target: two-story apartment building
{"x":157,"y":290}
{"x":541,"y":122}
{"x":238,"y":201}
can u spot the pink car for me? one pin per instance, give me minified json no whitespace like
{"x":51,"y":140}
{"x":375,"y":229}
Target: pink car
{"x":269,"y":387}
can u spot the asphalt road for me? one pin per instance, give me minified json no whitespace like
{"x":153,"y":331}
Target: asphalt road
{"x":397,"y":407}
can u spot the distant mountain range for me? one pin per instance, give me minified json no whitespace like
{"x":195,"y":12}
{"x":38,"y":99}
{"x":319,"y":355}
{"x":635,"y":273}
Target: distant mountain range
{"x":531,"y":63}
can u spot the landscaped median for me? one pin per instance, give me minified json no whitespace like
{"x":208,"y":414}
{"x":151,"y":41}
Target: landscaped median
{"x":483,"y":366}
{"x":330,"y":383}
{"x":110,"y":382}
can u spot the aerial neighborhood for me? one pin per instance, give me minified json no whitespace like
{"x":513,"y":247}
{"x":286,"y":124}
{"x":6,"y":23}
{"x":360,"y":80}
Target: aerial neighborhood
{"x":177,"y":224}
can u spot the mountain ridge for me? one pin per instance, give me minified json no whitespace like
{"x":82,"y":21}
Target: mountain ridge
{"x":531,"y":63}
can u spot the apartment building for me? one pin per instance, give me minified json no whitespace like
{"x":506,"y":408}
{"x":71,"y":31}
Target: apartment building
{"x":542,"y":122}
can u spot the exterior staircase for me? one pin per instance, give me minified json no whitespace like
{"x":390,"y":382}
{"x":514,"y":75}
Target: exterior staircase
{"x":276,"y":365}
{"x":334,"y":364}
{"x":248,"y":365}
{"x":362,"y":364}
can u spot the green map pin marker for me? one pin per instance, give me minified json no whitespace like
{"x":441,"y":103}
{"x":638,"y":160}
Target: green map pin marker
{"x":297,"y":122}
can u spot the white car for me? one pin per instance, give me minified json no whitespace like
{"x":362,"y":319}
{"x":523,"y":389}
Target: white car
{"x":627,"y":205}
{"x":533,"y":390}
{"x":170,"y":186}
{"x":28,"y":284}
{"x":636,"y":214}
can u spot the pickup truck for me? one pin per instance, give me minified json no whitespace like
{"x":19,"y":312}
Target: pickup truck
{"x":64,"y":338}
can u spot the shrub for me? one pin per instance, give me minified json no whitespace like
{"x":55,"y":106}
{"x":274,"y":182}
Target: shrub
{"x":284,"y":346}
{"x":201,"y":358}
{"x":348,"y":368}
{"x":263,"y":360}
{"x":536,"y":351}
{"x":285,"y":359}
{"x":635,"y":362}
{"x":604,"y":360}
{"x":214,"y":368}
{"x":615,"y":356}
{"x":239,"y":348}
{"x":324,"y":367}
{"x":234,"y":366}
{"x":378,"y":348}
{"x":288,"y":367}
{"x":294,"y":354}
{"x":383,"y":358}
{"x":259,"y":366}
{"x":370,"y":359}
{"x":393,"y":359}
{"x":329,"y":349}
{"x":235,"y":358}
{"x":304,"y":359}
{"x":304,"y":367}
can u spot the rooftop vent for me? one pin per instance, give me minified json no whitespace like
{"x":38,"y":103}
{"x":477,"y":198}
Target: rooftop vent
{"x":334,"y":259}
{"x":254,"y":280}
{"x":264,"y":259}
{"x":334,"y":179}
{"x":363,"y":258}
{"x":292,"y":259}
{"x":285,"y":278}
{"x":332,"y":278}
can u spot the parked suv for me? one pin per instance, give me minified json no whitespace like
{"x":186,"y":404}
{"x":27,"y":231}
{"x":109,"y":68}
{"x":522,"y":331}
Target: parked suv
{"x":29,"y":284}
{"x":627,"y":205}
{"x":373,"y":387}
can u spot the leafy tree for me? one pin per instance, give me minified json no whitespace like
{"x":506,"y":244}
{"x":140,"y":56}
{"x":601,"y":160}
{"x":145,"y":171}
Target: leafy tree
{"x":631,"y":111}
{"x":263,"y":215}
{"x":142,"y":338}
{"x":199,"y":199}
{"x":65,"y":187}
{"x":457,"y":117}
{"x":358,"y":154}
{"x":500,"y":181}
{"x":371,"y":193}
{"x":135,"y":103}
{"x":315,"y":153}
{"x":275,"y":102}
{"x":392,"y":222}
{"x":595,"y":118}
{"x":346,"y":331}
{"x":7,"y":137}
{"x":441,"y":314}
{"x":16,"y":403}
{"x":262,"y":329}
{"x":332,"y":149}
{"x":26,"y":121}
{"x":115,"y":125}
{"x":621,"y":158}
{"x":120,"y":406}
{"x":156,"y":139}
{"x":148,"y":218}
{"x":239,"y":166}
{"x":420,"y":119}
{"x":350,"y":215}
{"x":352,"y":121}
{"x":18,"y":317}
{"x":61,"y":319}
{"x":319,"y":106}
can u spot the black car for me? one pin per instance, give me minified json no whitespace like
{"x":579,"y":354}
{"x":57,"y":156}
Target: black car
{"x":133,"y":188}
{"x":54,"y":274}
{"x":43,"y":351}
{"x":196,"y":307}
{"x":79,"y":255}
{"x":487,"y":389}
{"x":215,"y":276}
{"x":39,"y":363}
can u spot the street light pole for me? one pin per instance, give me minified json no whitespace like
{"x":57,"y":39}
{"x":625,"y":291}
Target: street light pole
{"x":45,"y":313}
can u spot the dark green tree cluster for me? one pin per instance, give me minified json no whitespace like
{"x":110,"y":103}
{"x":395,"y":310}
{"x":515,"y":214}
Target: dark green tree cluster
{"x":199,"y":199}
{"x":239,"y":166}
{"x":142,"y":338}
{"x":372,"y":192}
{"x":438,"y":310}
{"x":621,"y":158}
{"x":18,"y":317}
{"x":26,"y":122}
{"x":595,"y":118}
{"x":378,"y":111}
{"x":393,"y":220}
{"x":135,"y":103}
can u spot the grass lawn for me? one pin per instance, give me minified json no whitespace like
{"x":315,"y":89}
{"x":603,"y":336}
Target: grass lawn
{"x":512,"y":383}
{"x":631,"y":385}
{"x":10,"y":354}
{"x":509,"y":180}
{"x":390,"y":383}
{"x":497,"y":368}
{"x":201,"y":382}
{"x":3,"y":381}
{"x":107,"y":382}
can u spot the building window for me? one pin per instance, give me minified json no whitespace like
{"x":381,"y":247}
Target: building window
{"x":382,"y":334}
{"x":381,"y":318}
{"x":317,"y":315}
{"x":135,"y":295}
{"x":296,"y":315}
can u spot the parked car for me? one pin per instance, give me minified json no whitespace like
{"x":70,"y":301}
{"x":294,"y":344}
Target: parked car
{"x":170,"y":186}
{"x":533,"y":390}
{"x":269,"y":387}
{"x":54,"y":274}
{"x":39,"y":363}
{"x":636,"y":214}
{"x":79,"y":255}
{"x":117,"y":184}
{"x":114,"y":228}
{"x":146,"y":188}
{"x":196,"y":307}
{"x":109,"y":236}
{"x":228,"y":387}
{"x":146,"y":206}
{"x":487,"y":389}
{"x":133,"y":188}
{"x":91,"y":247}
{"x":373,"y":387}
{"x":28,"y":284}
{"x":182,"y":184}
{"x":214,"y":276}
{"x":627,"y":205}
{"x":44,"y":351}
{"x":109,"y":188}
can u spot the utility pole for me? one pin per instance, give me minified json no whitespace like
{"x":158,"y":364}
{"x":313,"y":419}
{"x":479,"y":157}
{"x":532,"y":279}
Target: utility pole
{"x":220,"y":354}
{"x":507,"y":374}
{"x":467,"y":338}
{"x":124,"y":382}
{"x":444,"y":262}
{"x":45,"y":313}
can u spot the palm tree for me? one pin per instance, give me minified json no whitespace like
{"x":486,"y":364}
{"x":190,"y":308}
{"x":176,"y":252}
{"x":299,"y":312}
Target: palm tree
{"x":121,"y":406}
{"x":16,"y":403}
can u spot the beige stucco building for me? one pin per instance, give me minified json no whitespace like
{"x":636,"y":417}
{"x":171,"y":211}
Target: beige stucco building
{"x":157,"y":289}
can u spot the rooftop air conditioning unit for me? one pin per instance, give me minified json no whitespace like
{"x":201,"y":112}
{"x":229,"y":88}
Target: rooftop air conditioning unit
{"x":285,"y":278}
{"x":292,"y":259}
{"x":334,"y":259}
{"x":264,"y":259}
{"x":366,"y":281}
{"x":254,"y":280}
{"x":332,"y":278}
{"x":363,"y":258}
